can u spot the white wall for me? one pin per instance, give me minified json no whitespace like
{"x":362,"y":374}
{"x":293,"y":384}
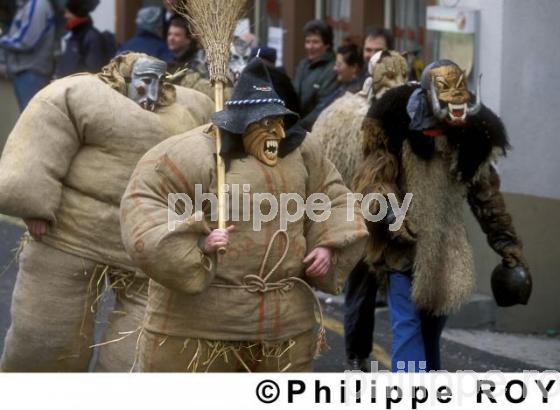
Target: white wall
{"x":520,"y":63}
{"x":531,"y":96}
{"x":490,"y":50}
{"x":104,"y":16}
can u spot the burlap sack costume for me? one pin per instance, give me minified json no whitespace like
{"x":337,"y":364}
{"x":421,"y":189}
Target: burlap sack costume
{"x":190,"y":78}
{"x":253,"y":306}
{"x":68,"y":161}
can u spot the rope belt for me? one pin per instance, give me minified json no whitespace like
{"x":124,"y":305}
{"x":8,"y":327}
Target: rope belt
{"x":261,"y":284}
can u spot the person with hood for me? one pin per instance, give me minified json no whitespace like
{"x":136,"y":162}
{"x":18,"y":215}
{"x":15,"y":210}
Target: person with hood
{"x":315,"y":78}
{"x":63,"y":171}
{"x":84,"y":48}
{"x":29,"y":47}
{"x":149,"y":35}
{"x":252,"y":308}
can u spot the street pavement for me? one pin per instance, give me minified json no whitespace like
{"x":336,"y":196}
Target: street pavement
{"x":461,"y":349}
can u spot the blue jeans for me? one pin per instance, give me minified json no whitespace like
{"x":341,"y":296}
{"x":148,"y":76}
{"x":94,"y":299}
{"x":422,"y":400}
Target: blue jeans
{"x":416,"y":334}
{"x":26,"y":85}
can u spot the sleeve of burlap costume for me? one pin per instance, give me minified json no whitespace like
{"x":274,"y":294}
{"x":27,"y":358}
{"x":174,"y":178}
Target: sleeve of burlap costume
{"x":168,"y":253}
{"x":37,"y":157}
{"x":343,"y":231}
{"x":378,"y":173}
{"x":489,"y":208}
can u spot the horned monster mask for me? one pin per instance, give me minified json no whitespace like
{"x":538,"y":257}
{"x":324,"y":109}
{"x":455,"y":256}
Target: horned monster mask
{"x":448,"y":93}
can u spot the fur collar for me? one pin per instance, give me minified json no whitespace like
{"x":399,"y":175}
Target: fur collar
{"x":475,"y":141}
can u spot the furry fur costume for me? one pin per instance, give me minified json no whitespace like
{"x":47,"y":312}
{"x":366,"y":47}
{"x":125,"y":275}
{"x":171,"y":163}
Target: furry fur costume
{"x":440,"y":171}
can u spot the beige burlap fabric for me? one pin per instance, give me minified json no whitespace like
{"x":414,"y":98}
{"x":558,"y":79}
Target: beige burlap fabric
{"x":237,"y":298}
{"x":193,"y":79}
{"x":52,"y":330}
{"x":68,"y":161}
{"x":70,"y":156}
{"x":163,"y":353}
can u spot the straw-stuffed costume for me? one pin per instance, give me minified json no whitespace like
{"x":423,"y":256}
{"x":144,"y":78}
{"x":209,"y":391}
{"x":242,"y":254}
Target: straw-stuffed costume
{"x":251,"y":309}
{"x":437,"y":142}
{"x":63,"y":170}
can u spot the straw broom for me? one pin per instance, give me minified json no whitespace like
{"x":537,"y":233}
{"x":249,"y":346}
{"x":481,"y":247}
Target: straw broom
{"x":214,"y":22}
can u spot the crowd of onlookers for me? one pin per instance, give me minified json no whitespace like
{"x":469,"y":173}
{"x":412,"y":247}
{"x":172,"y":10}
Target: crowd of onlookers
{"x":33,"y":57}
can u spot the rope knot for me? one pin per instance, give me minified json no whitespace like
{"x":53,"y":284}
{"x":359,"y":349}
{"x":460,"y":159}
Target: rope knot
{"x":254,"y":283}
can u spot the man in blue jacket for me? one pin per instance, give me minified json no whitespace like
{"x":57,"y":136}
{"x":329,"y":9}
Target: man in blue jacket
{"x":29,"y":48}
{"x":84,"y":46}
{"x":149,"y":35}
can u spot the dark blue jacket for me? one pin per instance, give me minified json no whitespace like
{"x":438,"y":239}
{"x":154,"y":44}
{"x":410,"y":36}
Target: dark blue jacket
{"x":84,"y":52}
{"x":149,"y":43}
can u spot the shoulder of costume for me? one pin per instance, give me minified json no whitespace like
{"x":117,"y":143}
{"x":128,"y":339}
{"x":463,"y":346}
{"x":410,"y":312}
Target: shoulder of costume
{"x":187,"y":94}
{"x":190,"y":148}
{"x":389,"y":113}
{"x":486,"y":125}
{"x":84,"y":89}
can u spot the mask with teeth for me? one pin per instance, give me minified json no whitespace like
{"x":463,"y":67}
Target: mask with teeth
{"x":449,"y":95}
{"x":262,"y":139}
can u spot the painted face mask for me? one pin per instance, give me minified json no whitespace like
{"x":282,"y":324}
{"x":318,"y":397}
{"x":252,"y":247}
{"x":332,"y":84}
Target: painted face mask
{"x":145,"y":82}
{"x":262,"y":139}
{"x":448,"y":89}
{"x":388,"y":70}
{"x":240,"y":54}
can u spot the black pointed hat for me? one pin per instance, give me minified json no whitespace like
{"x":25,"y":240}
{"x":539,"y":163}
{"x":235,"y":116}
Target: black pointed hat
{"x":253,"y":99}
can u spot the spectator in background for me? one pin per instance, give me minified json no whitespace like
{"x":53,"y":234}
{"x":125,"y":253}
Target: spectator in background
{"x":29,"y":48}
{"x":149,"y":35}
{"x":315,"y":77}
{"x":184,"y":47}
{"x":84,"y":47}
{"x":280,"y":81}
{"x":168,"y":14}
{"x":348,"y":68}
{"x":377,"y":39}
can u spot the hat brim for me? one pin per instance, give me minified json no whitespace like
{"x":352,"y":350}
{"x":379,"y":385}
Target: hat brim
{"x":236,"y":119}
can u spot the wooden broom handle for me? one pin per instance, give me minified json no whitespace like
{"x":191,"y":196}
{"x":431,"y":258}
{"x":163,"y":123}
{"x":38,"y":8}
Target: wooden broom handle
{"x":220,"y":166}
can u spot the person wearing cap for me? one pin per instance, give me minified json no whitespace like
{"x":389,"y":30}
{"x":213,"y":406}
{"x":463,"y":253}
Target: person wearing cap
{"x":149,"y":35}
{"x":29,"y":48}
{"x":63,"y":171}
{"x":84,"y":48}
{"x":251,"y":308}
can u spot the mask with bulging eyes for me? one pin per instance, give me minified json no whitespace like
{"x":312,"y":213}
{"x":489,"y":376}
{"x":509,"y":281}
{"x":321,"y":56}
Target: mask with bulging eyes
{"x":449,"y":95}
{"x":262,"y":139}
{"x":145,"y":82}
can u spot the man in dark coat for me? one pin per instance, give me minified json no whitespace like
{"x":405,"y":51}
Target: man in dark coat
{"x":84,"y":49}
{"x":315,"y":78}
